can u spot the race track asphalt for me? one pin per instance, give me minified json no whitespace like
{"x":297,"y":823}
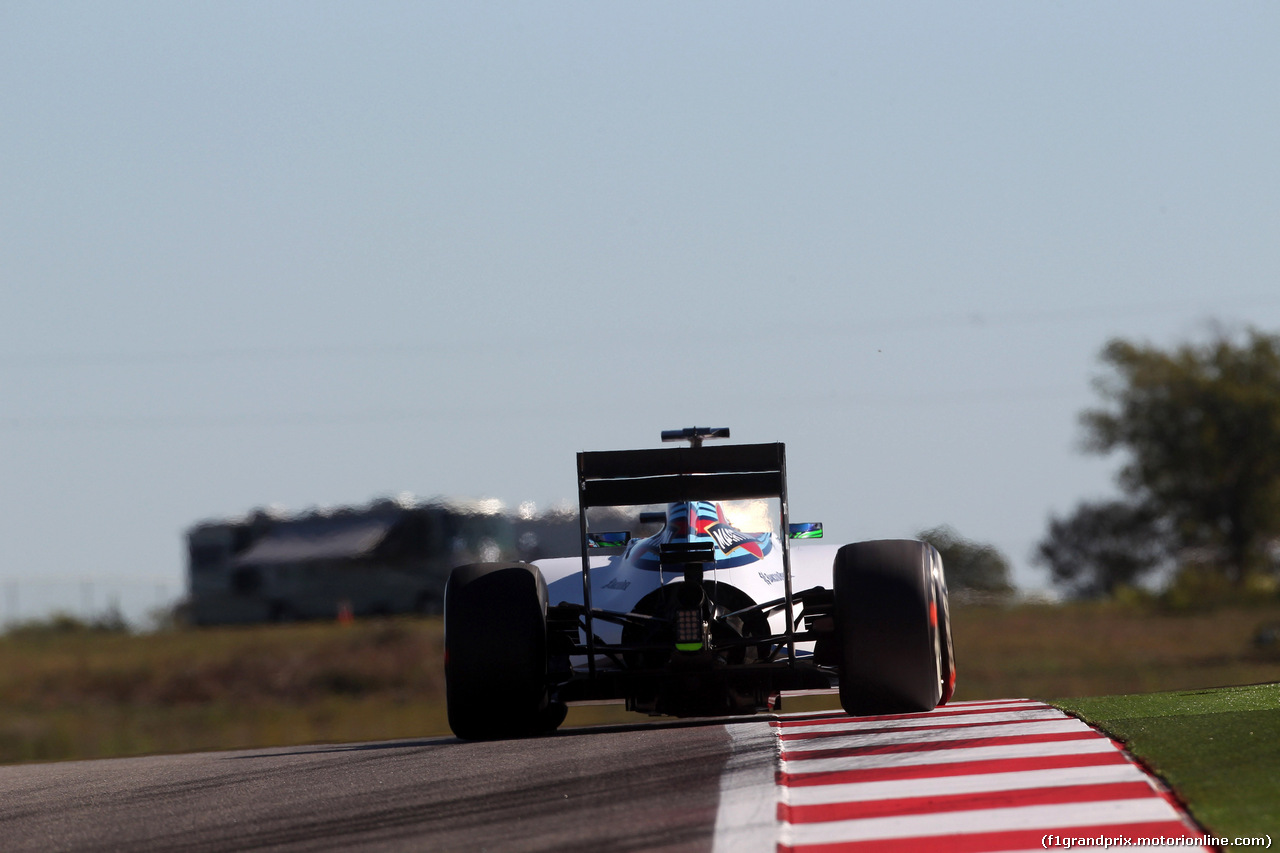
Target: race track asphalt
{"x":976,"y":776}
{"x":649,"y":787}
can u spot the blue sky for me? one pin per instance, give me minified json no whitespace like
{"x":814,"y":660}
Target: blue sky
{"x":317,"y":253}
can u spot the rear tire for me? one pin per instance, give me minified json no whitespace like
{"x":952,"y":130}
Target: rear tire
{"x":887,"y":624}
{"x":945,"y":647}
{"x":495,"y":641}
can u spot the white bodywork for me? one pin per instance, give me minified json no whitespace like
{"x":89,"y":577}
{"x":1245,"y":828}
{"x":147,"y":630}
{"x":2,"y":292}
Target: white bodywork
{"x":752,"y":564}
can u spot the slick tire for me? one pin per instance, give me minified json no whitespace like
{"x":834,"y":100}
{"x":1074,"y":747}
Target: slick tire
{"x":887,"y":624}
{"x":495,"y":642}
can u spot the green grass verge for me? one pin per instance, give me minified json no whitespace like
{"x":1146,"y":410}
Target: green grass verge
{"x":1218,"y":749}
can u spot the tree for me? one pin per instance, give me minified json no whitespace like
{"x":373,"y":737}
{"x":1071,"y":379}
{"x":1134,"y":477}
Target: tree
{"x":967,"y":564}
{"x":1201,"y":426}
{"x":1102,"y":546}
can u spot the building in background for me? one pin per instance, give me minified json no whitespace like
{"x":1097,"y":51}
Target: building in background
{"x":390,"y":557}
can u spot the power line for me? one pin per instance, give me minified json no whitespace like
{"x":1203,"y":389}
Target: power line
{"x":979,"y":320}
{"x":974,"y":320}
{"x":250,"y":420}
{"x":246,"y":420}
{"x":248,"y":354}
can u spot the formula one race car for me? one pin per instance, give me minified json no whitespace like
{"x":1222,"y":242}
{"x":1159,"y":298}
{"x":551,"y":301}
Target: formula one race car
{"x":715,"y":614}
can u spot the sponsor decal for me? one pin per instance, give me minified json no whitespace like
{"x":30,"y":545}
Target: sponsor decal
{"x":771,"y":577}
{"x":726,"y":536}
{"x":617,"y":584}
{"x":702,"y":520}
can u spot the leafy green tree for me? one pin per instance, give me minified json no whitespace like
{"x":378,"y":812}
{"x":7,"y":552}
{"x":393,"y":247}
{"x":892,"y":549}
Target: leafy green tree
{"x":1201,"y":427}
{"x":1102,"y":546}
{"x":967,"y":564}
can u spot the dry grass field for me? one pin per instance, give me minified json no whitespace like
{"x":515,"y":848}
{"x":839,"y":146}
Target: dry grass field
{"x":1108,"y":649}
{"x":85,"y":694}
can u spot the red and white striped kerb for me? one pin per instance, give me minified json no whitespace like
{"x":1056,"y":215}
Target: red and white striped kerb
{"x":971,"y":776}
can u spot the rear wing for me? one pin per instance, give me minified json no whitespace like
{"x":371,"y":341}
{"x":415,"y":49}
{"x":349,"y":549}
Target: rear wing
{"x":723,"y":472}
{"x":696,"y":473}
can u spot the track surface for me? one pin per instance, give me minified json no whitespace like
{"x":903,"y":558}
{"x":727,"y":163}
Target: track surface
{"x":972,"y":776}
{"x":638,"y":788}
